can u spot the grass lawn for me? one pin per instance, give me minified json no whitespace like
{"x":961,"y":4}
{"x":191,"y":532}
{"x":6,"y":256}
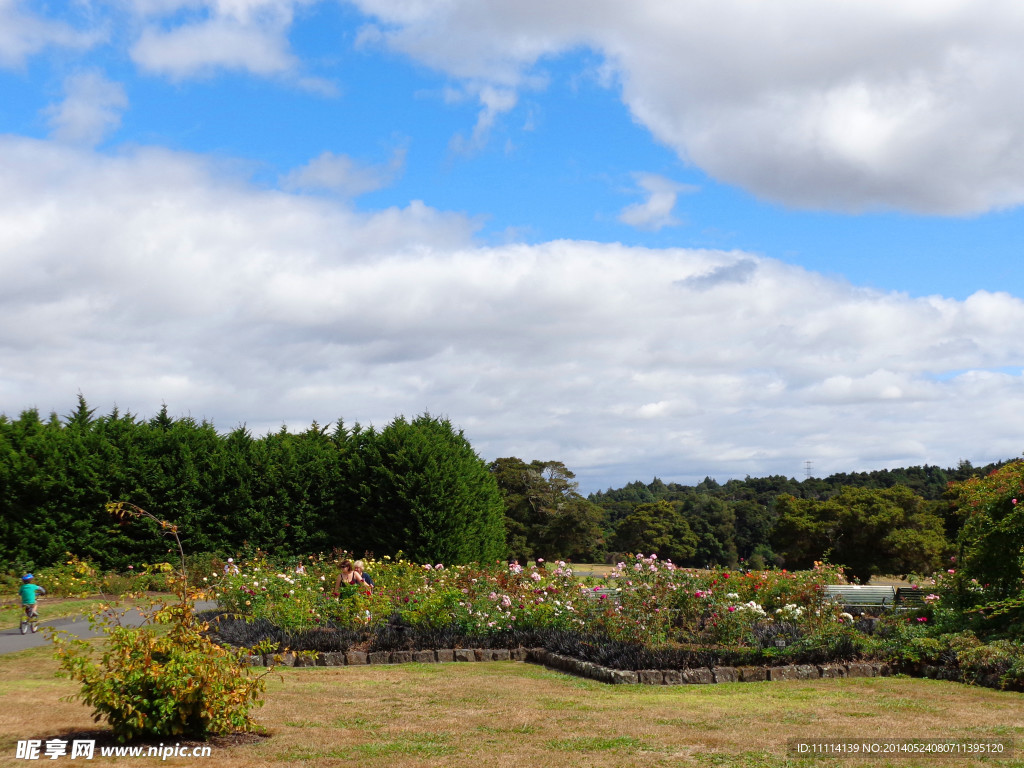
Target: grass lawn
{"x":508,"y":714}
{"x":594,"y":570}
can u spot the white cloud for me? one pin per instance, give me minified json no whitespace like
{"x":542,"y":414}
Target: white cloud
{"x":493,"y":103}
{"x":813,"y":103}
{"x":218,"y":43}
{"x":655,"y":212}
{"x":147,"y":278}
{"x":91,"y":109}
{"x":249,"y":35}
{"x":343,"y":175}
{"x":23,"y":34}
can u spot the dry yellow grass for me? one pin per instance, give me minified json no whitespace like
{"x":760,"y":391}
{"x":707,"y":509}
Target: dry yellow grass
{"x":509,"y":715}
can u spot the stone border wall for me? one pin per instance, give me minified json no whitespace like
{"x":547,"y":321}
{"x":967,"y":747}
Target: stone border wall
{"x":706,"y":675}
{"x":579,"y":668}
{"x":359,"y":658}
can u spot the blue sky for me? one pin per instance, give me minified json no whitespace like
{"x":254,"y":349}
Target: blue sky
{"x":645,"y":239}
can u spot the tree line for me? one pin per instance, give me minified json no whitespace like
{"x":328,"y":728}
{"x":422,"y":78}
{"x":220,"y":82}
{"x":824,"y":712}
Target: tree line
{"x":887,"y":521}
{"x":417,"y":486}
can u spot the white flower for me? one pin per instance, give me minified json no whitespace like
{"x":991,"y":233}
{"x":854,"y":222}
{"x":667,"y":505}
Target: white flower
{"x":751,"y":607}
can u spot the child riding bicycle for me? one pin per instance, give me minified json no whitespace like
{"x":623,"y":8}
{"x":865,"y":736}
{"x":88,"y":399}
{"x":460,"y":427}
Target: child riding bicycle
{"x":29,"y":592}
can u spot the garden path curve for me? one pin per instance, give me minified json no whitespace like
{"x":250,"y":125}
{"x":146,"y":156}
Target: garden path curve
{"x":12,"y":640}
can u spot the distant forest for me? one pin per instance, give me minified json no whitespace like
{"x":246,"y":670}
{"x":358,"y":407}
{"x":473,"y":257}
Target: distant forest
{"x":417,"y":486}
{"x":739,"y":521}
{"x":755,"y":522}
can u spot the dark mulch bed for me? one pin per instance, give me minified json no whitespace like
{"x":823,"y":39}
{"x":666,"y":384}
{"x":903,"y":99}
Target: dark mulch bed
{"x":397,"y":635}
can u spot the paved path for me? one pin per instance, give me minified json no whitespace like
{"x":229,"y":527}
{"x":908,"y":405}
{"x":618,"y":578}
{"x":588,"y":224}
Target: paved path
{"x":12,"y":640}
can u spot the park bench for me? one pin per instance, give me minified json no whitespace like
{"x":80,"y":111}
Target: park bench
{"x":908,"y":597}
{"x":862,"y":595}
{"x":606,"y":593}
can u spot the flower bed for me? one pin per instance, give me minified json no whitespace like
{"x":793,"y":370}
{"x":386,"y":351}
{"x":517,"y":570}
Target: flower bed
{"x":647,"y":615}
{"x":644,"y":604}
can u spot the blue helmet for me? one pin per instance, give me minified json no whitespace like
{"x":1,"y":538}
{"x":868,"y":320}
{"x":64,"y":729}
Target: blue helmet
{"x":27,"y":577}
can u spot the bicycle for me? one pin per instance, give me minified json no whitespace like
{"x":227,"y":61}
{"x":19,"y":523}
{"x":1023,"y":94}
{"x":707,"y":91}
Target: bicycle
{"x":30,"y":620}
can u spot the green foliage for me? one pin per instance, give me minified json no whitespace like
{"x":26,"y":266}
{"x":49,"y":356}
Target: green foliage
{"x":991,"y":538}
{"x":713,"y":521}
{"x":909,"y":643}
{"x":153,"y":684}
{"x":71,"y":578}
{"x":997,"y":663}
{"x":545,"y":516}
{"x":150,"y":683}
{"x":657,"y":528}
{"x":231,"y":493}
{"x":294,"y":493}
{"x":224,"y":491}
{"x":417,"y":486}
{"x":868,"y":531}
{"x":752,"y":502}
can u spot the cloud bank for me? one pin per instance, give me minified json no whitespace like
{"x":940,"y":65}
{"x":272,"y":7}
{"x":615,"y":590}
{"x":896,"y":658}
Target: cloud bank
{"x":848,"y":106}
{"x":816,"y":104}
{"x":154,"y":276}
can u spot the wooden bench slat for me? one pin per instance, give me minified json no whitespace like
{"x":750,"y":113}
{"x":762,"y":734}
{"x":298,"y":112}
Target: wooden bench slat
{"x":600,"y":592}
{"x":910,"y":596}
